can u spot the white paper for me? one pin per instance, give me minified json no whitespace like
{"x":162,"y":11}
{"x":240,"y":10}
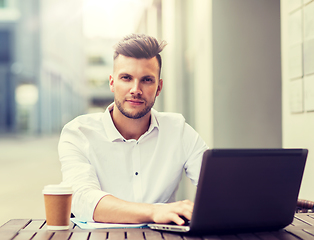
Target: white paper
{"x":97,"y":225}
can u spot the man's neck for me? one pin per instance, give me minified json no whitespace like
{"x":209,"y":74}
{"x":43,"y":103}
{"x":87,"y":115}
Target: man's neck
{"x":130,"y":128}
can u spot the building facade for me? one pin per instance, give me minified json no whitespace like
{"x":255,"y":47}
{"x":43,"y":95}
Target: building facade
{"x":42,"y":65}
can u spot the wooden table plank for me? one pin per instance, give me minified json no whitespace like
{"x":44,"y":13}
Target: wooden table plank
{"x":10,"y":229}
{"x":283,"y":235}
{"x":79,"y":236}
{"x":7,"y":235}
{"x":35,"y":225}
{"x":152,"y":235}
{"x":309,"y":230}
{"x":98,"y":235}
{"x":211,"y":237}
{"x":135,"y":235}
{"x":119,"y":235}
{"x":247,"y":236}
{"x":43,"y":235}
{"x":302,"y":234}
{"x":307,"y":218}
{"x":61,"y":235}
{"x":191,"y":238}
{"x":301,"y":221}
{"x":229,"y":237}
{"x":266,"y":236}
{"x":25,"y":235}
{"x":171,"y":236}
{"x":15,"y":225}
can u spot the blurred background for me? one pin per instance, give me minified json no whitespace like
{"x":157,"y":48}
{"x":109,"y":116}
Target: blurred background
{"x":241,"y":72}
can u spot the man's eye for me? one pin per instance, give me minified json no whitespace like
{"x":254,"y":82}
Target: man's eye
{"x":126,"y":77}
{"x":148,"y":80}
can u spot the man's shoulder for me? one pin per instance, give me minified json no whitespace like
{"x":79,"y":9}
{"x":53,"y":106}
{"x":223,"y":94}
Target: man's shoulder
{"x":83,"y":128}
{"x":169,"y":115}
{"x":169,"y":118}
{"x":85,"y":120}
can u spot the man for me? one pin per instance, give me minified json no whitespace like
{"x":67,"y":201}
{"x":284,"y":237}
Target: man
{"x":123,"y":162}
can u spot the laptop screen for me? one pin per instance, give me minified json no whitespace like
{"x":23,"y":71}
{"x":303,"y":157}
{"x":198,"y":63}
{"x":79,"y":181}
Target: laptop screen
{"x":247,"y":189}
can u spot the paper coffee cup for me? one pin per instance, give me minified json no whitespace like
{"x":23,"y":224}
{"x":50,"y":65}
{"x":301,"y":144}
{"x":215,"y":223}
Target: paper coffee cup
{"x":58,"y":200}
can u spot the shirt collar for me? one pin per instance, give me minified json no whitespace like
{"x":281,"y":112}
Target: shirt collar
{"x":153,"y":122}
{"x":113,"y":134}
{"x":110,"y":129}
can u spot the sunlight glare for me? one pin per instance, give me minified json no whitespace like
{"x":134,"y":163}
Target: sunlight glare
{"x":111,"y":19}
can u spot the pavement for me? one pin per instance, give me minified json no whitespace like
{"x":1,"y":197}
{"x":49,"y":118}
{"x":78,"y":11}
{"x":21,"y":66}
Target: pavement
{"x":27,"y":164}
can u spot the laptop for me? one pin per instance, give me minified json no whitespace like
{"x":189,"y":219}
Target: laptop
{"x":245,"y":190}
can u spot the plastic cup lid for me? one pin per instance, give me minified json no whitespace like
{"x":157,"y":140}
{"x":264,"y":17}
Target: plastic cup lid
{"x":57,"y":189}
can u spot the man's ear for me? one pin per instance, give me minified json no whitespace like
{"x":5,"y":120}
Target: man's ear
{"x":111,"y":83}
{"x":160,"y":83}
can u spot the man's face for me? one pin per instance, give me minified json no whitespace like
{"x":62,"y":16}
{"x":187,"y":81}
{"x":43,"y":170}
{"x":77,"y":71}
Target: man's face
{"x":135,"y":84}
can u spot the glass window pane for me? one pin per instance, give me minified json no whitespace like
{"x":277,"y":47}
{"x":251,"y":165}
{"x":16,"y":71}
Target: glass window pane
{"x":3,"y":3}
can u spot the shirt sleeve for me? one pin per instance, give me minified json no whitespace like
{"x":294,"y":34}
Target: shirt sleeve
{"x":79,"y":173}
{"x":194,"y":147}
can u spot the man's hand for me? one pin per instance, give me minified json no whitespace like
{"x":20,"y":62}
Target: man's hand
{"x":171,"y":212}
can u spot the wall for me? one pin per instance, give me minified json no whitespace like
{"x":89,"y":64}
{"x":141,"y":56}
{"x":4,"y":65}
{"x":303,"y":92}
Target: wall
{"x":297,"y":20}
{"x":187,"y":62}
{"x":222,"y":69}
{"x":247,"y":74}
{"x":62,"y":83}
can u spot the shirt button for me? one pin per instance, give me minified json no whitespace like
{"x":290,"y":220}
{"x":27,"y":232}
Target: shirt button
{"x":136,"y":173}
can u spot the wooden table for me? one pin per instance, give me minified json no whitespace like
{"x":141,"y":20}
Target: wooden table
{"x":17,"y":229}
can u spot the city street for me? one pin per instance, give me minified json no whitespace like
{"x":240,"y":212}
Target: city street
{"x":27,"y":164}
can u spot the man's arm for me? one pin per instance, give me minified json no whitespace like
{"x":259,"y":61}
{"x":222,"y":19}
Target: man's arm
{"x":113,"y":210}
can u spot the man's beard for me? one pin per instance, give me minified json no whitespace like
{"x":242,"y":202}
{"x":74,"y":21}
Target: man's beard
{"x":136,"y":115}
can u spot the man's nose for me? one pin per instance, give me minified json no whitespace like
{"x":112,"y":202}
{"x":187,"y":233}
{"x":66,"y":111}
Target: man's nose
{"x":136,"y":88}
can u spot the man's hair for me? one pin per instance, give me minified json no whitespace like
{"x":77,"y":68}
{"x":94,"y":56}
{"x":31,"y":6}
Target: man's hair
{"x":139,"y":46}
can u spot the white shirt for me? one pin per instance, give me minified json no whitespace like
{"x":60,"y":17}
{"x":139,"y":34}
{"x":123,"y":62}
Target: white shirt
{"x":96,"y":160}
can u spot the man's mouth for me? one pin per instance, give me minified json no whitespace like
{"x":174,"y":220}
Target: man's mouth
{"x":135,"y":101}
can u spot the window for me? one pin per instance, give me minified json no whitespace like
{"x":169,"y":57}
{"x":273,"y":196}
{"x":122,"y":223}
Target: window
{"x":3,"y":3}
{"x":95,"y":60}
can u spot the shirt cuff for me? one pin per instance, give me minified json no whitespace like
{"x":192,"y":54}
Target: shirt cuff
{"x":83,"y":209}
